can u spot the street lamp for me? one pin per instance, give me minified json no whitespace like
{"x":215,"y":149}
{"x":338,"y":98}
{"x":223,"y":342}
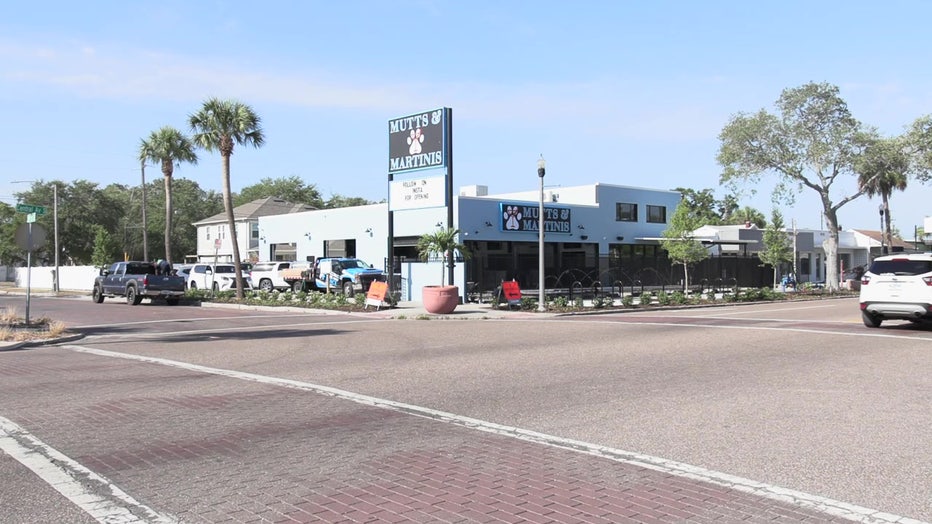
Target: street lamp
{"x":883,"y":247}
{"x":541,"y":169}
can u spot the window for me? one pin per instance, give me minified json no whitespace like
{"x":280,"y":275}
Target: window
{"x":657,"y":214}
{"x":626,"y":212}
{"x":208,"y":232}
{"x":255,"y":230}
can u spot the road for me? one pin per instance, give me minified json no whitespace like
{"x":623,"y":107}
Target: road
{"x":209,"y":415}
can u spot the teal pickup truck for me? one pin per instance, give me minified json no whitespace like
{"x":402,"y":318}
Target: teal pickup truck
{"x":135,"y":281}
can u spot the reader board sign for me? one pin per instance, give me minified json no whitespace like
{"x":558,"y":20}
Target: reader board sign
{"x":417,"y":141}
{"x":417,"y":193}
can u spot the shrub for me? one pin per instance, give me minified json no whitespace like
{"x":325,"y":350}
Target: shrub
{"x":627,"y":301}
{"x":528,"y":303}
{"x":664,"y":299}
{"x":598,"y":302}
{"x":678,"y":297}
{"x":561,"y":302}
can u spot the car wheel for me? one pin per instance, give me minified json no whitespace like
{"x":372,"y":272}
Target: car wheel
{"x":297,"y":286}
{"x":133,"y":298}
{"x":265,"y":285}
{"x":97,"y":296}
{"x":192,"y":285}
{"x":869,"y":320}
{"x":348,"y":289}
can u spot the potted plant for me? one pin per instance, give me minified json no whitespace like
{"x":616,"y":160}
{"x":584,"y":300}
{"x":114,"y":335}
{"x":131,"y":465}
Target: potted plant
{"x":442,"y":243}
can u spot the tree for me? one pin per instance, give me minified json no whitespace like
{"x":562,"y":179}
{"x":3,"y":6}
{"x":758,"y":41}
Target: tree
{"x":220,"y":125}
{"x":680,"y":242}
{"x":291,"y":189}
{"x":441,"y":244}
{"x":777,"y":248}
{"x":82,"y":205}
{"x":167,"y":147}
{"x":336,"y":201}
{"x":747,"y":215}
{"x":9,"y":253}
{"x":811,"y":143}
{"x":106,"y":249}
{"x":882,"y":169}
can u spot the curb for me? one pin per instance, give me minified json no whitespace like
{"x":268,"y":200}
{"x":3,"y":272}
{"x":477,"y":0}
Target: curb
{"x":39,"y":343}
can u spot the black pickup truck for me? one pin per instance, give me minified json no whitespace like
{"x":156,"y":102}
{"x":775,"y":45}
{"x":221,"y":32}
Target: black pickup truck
{"x":135,"y":281}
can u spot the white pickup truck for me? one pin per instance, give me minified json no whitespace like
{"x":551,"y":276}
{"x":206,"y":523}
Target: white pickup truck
{"x":267,"y":275}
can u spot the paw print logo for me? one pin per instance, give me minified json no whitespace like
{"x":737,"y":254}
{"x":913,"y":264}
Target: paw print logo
{"x":415,"y":141}
{"x":512,"y":215}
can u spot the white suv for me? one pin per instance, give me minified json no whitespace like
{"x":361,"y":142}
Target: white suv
{"x":219,"y":277}
{"x":897,"y":287}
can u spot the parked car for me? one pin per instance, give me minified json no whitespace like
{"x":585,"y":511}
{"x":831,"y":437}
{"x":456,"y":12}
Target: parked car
{"x":135,"y":280}
{"x":267,"y":275}
{"x":219,"y":277}
{"x":897,"y":287}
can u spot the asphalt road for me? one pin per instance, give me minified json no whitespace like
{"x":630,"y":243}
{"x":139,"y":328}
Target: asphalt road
{"x":794,"y":395}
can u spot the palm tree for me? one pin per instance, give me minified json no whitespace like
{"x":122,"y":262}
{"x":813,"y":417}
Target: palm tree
{"x":442,"y":242}
{"x":883,"y":168}
{"x":168,"y":147}
{"x":221,"y":124}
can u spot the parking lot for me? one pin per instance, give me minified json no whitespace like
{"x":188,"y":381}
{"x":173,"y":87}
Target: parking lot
{"x":208,"y":414}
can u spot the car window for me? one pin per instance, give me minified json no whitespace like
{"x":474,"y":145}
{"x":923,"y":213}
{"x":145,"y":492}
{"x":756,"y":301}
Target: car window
{"x":225,"y":269}
{"x":263,"y":267}
{"x":902,"y":267}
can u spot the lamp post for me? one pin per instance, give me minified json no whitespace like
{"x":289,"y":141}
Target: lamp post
{"x":541,"y":170}
{"x":883,"y":247}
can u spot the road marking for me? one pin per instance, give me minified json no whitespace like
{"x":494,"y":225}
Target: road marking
{"x":762,"y":310}
{"x":769,"y":491}
{"x":227,"y":329}
{"x":77,"y":483}
{"x":756,"y":328}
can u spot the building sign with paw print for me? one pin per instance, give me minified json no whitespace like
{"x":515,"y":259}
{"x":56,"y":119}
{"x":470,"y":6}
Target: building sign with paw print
{"x":417,"y":141}
{"x":523,"y":217}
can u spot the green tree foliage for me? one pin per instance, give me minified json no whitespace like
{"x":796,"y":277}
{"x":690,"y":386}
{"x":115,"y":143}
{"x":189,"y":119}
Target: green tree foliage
{"x":191,"y":204}
{"x":680,"y":242}
{"x":708,"y":210}
{"x":745,"y":215}
{"x":291,"y":189}
{"x":10,"y":254}
{"x":220,"y":125}
{"x":811,"y":142}
{"x":344,"y":201}
{"x":106,"y":248}
{"x":440,"y":244}
{"x":168,"y":148}
{"x":918,"y":140}
{"x":777,"y":248}
{"x":882,"y":169}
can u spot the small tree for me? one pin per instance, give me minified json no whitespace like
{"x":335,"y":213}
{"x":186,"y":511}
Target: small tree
{"x":680,"y":243}
{"x":440,"y":244}
{"x":105,"y":248}
{"x":777,"y":248}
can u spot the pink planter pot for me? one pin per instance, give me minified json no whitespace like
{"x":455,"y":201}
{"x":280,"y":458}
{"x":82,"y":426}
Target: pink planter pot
{"x":440,"y":300}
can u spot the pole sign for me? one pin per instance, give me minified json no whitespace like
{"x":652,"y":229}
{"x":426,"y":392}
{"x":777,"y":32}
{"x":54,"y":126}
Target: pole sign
{"x":29,"y":208}
{"x":524,"y":217}
{"x":417,"y":141}
{"x":417,"y":193}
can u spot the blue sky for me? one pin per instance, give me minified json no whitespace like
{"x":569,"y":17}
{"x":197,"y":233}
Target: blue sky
{"x":627,"y":93}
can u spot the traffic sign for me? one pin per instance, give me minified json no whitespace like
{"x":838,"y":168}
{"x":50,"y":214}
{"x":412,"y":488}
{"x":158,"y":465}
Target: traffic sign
{"x":29,"y":208}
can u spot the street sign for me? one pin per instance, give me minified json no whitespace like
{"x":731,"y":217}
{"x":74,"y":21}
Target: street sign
{"x":30,"y":237}
{"x":29,"y":208}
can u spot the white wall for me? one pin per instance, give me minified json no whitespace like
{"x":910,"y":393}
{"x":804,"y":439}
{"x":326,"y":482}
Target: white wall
{"x":71,"y":278}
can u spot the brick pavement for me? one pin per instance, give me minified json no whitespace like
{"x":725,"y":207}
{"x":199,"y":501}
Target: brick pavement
{"x":207,"y":448}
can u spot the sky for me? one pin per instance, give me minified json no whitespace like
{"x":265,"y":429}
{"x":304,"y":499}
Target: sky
{"x":614,"y":92}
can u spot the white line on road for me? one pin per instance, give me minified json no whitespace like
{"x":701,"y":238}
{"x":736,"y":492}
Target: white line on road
{"x":77,"y":483}
{"x":798,"y":498}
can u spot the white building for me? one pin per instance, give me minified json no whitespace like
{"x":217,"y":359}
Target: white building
{"x":589,"y":230}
